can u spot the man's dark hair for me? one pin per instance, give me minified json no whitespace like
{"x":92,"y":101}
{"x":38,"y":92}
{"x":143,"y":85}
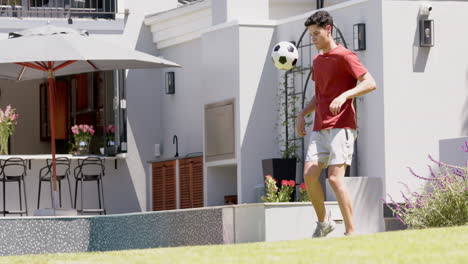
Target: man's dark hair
{"x":320,"y":18}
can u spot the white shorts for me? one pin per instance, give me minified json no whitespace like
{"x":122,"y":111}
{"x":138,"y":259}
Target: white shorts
{"x":331,"y":146}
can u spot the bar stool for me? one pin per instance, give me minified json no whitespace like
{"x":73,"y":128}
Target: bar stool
{"x":14,"y":170}
{"x":90,"y":169}
{"x":62,"y":166}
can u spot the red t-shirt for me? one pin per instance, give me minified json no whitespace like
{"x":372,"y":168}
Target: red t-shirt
{"x":335,"y":72}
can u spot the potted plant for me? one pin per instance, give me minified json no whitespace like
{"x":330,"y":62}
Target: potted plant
{"x":82,"y":135}
{"x":284,"y":168}
{"x":110,"y":140}
{"x":8,"y":121}
{"x":273,"y":194}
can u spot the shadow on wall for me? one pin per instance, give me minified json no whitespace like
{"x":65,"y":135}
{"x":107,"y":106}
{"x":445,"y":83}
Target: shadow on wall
{"x":143,"y":119}
{"x":121,"y":196}
{"x":420,"y":54}
{"x":464,"y":129}
{"x":261,"y":121}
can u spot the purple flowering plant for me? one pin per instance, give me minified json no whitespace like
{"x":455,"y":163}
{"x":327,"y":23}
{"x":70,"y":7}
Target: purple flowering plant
{"x":444,"y":203}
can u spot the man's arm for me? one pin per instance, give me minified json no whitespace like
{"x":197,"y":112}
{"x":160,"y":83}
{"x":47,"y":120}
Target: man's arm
{"x":310,"y":107}
{"x":300,"y":120}
{"x":366,"y":84}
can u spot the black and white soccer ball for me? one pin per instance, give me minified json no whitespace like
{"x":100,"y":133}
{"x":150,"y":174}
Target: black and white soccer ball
{"x":284,"y":55}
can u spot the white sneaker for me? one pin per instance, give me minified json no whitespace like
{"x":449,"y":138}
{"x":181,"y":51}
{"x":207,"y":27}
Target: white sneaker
{"x":325,"y":228}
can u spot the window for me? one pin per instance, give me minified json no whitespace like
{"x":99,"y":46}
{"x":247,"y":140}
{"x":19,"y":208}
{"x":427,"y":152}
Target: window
{"x":96,"y":99}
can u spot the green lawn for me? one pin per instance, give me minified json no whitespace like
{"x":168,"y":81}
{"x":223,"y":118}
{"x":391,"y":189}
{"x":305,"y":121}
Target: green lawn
{"x":444,"y":245}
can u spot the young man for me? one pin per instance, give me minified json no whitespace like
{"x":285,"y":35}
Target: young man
{"x":336,"y":71}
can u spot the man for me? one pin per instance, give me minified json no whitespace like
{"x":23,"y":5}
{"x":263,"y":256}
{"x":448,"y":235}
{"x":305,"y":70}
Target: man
{"x":336,"y":71}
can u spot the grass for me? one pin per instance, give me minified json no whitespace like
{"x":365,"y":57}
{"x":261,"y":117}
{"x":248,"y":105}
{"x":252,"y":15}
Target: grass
{"x":439,"y":245}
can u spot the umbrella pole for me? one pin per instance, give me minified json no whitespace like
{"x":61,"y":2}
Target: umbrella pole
{"x":52,"y":138}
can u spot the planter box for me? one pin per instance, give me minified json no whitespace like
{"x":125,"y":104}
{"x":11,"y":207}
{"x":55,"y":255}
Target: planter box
{"x":279,"y":221}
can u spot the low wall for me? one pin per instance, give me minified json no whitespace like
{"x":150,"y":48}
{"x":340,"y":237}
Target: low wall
{"x":185,"y":227}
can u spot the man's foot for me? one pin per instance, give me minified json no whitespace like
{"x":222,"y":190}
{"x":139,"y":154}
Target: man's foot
{"x":324,"y":228}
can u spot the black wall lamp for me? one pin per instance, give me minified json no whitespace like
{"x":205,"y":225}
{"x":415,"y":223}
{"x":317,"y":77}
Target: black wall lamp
{"x":426,"y":26}
{"x":359,"y":36}
{"x":426,"y":33}
{"x":170,"y":83}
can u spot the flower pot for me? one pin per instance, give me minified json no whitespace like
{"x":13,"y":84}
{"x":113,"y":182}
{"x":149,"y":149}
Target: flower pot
{"x":83,"y":148}
{"x":110,"y":151}
{"x":4,"y":145}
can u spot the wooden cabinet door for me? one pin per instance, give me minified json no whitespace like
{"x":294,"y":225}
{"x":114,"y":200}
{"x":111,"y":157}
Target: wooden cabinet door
{"x":191,"y":183}
{"x":164,"y":185}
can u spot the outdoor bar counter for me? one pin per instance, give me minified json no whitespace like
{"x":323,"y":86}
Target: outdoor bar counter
{"x":30,"y":158}
{"x":114,"y":183}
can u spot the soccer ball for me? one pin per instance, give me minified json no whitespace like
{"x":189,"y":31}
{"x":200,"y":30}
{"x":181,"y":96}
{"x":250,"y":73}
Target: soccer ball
{"x":284,"y":55}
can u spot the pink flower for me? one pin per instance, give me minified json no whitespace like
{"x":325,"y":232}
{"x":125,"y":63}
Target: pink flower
{"x":8,"y":110}
{"x":292,"y":183}
{"x":302,"y":186}
{"x":285,"y":183}
{"x":85,"y":129}
{"x":268,"y":177}
{"x":80,"y":127}
{"x":110,"y":129}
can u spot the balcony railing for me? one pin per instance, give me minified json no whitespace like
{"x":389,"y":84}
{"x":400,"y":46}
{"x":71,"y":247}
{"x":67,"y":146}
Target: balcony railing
{"x":105,"y":9}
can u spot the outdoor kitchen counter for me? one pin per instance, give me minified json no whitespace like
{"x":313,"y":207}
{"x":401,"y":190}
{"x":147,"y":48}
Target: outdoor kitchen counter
{"x":188,"y":156}
{"x":29,"y":158}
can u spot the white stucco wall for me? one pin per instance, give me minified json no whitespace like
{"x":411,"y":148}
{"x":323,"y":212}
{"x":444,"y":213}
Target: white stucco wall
{"x":228,"y":10}
{"x":257,"y":102}
{"x":282,"y":9}
{"x":426,"y":89}
{"x":220,"y":79}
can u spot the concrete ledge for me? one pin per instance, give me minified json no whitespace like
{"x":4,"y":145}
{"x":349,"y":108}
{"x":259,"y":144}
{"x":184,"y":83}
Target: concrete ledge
{"x":39,"y":235}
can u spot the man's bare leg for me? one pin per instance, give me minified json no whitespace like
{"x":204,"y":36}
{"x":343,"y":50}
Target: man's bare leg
{"x":336,"y":179}
{"x":314,"y":188}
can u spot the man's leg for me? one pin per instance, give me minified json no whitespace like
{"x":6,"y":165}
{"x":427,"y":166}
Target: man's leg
{"x":336,"y":179}
{"x":314,"y":188}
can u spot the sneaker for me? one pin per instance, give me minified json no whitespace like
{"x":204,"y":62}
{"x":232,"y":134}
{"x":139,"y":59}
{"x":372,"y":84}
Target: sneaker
{"x":325,"y":228}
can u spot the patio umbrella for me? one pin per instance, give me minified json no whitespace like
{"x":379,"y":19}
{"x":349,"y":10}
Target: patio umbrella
{"x":61,"y":51}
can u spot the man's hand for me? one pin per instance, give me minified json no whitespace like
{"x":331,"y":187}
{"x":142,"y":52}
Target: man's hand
{"x":300,"y":125}
{"x":336,"y":104}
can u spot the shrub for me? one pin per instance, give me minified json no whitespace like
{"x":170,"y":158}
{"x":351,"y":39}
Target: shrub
{"x":443,"y":203}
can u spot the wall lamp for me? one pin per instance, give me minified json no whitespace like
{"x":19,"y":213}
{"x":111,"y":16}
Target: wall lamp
{"x":170,"y":83}
{"x":359,"y":36}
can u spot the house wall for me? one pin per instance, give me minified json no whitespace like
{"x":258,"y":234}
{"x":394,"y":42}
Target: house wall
{"x":257,"y":101}
{"x":231,"y":61}
{"x":426,"y":89}
{"x":236,"y":57}
{"x":282,"y":9}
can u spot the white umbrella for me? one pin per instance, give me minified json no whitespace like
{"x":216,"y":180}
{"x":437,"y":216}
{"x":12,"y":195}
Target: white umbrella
{"x":27,"y":54}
